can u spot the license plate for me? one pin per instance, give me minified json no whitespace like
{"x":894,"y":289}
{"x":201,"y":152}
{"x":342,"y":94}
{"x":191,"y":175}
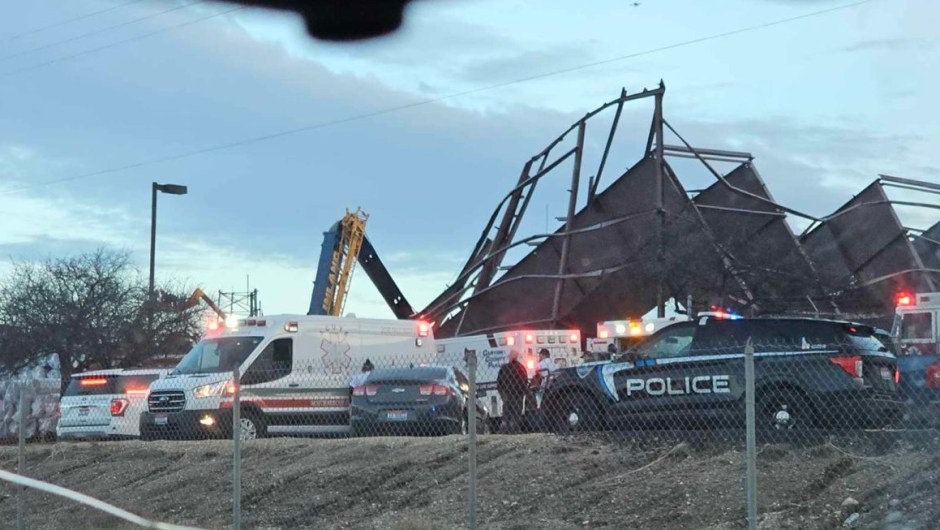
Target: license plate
{"x":886,"y":374}
{"x":397,"y":415}
{"x":160,"y":419}
{"x":83,"y":411}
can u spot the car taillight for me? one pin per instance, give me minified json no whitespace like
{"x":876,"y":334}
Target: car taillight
{"x":118,"y":406}
{"x":437,"y":390}
{"x":897,"y":376}
{"x":365,"y":390}
{"x":851,"y":364}
{"x":933,"y":376}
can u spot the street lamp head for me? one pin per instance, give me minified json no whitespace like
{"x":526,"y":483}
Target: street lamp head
{"x":172,"y":189}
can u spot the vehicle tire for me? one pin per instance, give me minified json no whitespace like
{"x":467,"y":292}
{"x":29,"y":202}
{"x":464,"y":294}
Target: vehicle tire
{"x":364,"y":430}
{"x":782,"y":410}
{"x":252,"y":426}
{"x":459,"y":428}
{"x":574,"y":412}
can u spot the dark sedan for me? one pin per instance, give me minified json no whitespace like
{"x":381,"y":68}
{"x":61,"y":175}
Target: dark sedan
{"x":423,"y":401}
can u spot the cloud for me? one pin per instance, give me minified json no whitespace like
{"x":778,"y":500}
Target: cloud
{"x":519,"y":64}
{"x":891,"y":45}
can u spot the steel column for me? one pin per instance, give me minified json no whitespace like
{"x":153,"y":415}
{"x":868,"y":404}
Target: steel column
{"x":572,"y":207}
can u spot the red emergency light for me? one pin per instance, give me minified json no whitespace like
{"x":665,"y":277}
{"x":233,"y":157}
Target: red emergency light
{"x":904,"y":299}
{"x":603,"y":333}
{"x":510,"y":341}
{"x":424,"y":329}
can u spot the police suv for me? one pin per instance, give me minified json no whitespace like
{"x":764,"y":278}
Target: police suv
{"x":808,"y":373}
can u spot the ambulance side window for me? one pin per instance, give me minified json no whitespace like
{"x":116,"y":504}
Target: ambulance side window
{"x":917,"y":326}
{"x":674,"y":341}
{"x":275,"y":362}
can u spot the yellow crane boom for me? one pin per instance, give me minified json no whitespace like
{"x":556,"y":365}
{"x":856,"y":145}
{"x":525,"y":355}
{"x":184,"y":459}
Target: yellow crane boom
{"x":352,"y":231}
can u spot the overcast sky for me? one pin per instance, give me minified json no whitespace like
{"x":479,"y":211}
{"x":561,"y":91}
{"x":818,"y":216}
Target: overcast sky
{"x":824,"y":102}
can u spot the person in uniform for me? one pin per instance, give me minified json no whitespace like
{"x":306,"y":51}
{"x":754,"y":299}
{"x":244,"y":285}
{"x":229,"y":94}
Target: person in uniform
{"x":512,"y":383}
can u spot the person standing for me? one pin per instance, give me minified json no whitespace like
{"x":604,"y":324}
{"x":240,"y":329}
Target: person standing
{"x":545,"y":368}
{"x":512,"y":383}
{"x":360,"y":378}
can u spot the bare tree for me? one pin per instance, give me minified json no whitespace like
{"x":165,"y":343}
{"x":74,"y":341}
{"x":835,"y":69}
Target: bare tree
{"x":91,"y":311}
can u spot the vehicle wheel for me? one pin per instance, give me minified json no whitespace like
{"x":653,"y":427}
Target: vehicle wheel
{"x":251,"y":427}
{"x":362,"y":431}
{"x":575,"y":413}
{"x":460,"y":428}
{"x":782,"y":410}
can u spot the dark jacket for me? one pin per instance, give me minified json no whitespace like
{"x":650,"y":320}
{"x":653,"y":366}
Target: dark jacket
{"x":512,"y":379}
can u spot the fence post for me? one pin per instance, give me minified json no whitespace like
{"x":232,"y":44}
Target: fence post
{"x":750,"y":435}
{"x":21,"y":458}
{"x":236,"y":452}
{"x":471,"y":357}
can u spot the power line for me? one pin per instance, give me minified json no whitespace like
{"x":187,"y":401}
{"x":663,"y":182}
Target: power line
{"x":398,"y":108}
{"x":67,"y":21}
{"x":12,"y":73}
{"x":97,"y":31}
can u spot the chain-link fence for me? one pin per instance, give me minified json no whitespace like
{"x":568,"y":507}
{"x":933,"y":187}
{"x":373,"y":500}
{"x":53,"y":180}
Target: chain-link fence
{"x":392,"y":429}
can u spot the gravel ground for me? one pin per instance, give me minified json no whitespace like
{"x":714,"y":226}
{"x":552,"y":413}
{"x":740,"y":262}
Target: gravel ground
{"x":528,"y":481}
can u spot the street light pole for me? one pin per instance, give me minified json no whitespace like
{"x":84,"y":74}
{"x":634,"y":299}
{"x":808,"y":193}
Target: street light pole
{"x":153,"y":238}
{"x":171,"y":189}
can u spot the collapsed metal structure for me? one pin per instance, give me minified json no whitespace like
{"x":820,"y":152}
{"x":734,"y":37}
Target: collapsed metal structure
{"x":646,"y":238}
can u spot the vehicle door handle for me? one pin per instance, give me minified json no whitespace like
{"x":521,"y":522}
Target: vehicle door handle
{"x":294,"y":385}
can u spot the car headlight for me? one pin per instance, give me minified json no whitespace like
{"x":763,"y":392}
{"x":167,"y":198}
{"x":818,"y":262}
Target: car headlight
{"x":213,"y":390}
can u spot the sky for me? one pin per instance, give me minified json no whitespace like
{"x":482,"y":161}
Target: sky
{"x":277,"y":134}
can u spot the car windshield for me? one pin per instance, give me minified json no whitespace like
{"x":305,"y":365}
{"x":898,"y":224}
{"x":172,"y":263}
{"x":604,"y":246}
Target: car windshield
{"x":217,"y":355}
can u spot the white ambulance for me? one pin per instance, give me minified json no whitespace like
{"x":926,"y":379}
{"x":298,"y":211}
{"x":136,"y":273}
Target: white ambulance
{"x":564,"y":347}
{"x":295,"y":375}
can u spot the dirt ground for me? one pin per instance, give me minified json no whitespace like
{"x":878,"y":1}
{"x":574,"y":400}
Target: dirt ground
{"x":528,"y":481}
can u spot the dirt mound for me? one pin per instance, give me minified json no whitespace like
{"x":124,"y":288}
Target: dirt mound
{"x":530,"y":481}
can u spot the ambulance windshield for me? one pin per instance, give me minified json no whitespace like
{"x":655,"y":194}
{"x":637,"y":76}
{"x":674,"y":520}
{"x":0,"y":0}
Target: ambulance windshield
{"x":217,"y":355}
